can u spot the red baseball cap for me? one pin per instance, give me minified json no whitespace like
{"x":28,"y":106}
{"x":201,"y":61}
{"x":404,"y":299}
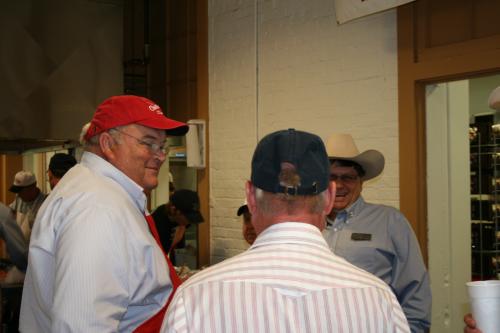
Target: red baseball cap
{"x":129,"y":109}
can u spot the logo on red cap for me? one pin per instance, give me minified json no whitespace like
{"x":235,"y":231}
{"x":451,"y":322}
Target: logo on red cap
{"x":155,"y":108}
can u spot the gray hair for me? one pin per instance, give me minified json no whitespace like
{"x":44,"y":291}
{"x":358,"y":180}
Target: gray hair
{"x":281,"y":203}
{"x":93,"y":142}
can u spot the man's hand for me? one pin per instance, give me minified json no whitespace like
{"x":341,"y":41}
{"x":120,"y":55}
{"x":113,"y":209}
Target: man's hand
{"x":470,"y":324}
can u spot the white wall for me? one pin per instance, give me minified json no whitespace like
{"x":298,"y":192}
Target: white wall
{"x":448,"y":202}
{"x":280,"y":64}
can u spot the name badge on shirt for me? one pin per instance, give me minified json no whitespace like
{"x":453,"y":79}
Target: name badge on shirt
{"x":361,"y":237}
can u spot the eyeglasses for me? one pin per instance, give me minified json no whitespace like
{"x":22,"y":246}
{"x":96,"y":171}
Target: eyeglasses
{"x":347,"y":179}
{"x":153,"y":147}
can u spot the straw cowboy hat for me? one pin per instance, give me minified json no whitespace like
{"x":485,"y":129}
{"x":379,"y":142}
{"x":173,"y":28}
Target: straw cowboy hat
{"x":342,"y":147}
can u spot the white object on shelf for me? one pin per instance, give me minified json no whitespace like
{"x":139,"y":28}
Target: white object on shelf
{"x":195,"y":144}
{"x":494,"y":99}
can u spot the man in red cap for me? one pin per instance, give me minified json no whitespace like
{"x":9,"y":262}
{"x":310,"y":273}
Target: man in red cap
{"x":95,"y":264}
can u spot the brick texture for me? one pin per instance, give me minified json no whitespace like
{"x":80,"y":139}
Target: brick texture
{"x":279,"y":64}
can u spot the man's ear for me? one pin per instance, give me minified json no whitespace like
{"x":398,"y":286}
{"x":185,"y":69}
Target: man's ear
{"x":106,"y":143}
{"x":250,"y":194}
{"x":330,"y":198}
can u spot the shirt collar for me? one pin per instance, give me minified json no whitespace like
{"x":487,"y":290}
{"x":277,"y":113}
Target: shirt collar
{"x":108,"y":170}
{"x":357,"y":205}
{"x":290,"y":233}
{"x":349,"y":212}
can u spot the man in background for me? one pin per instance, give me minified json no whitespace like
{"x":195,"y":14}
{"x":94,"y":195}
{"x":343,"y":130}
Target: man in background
{"x":173,"y":218}
{"x":288,"y":280}
{"x":59,"y":164}
{"x":95,"y":262}
{"x":376,"y":238}
{"x":13,"y":267}
{"x":28,"y":200}
{"x":16,"y":244}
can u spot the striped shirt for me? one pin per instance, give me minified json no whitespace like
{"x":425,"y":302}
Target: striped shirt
{"x":94,"y":266}
{"x":287,"y":281}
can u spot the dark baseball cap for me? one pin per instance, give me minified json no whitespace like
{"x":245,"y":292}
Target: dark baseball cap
{"x":243,"y":209}
{"x":188,"y":203}
{"x":61,"y":163}
{"x":305,"y":151}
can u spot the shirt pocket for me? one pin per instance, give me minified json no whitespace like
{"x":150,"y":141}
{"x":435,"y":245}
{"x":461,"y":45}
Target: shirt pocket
{"x":361,"y":253}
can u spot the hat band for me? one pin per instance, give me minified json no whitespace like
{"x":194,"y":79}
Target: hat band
{"x":295,"y":190}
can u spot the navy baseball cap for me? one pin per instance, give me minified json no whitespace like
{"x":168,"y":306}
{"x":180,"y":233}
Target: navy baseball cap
{"x":243,"y":209}
{"x":188,"y":203}
{"x":305,"y":151}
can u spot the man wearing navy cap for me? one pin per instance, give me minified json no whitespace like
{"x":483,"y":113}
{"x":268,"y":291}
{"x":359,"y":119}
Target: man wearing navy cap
{"x":95,"y":263}
{"x":288,"y":280}
{"x":173,"y":218}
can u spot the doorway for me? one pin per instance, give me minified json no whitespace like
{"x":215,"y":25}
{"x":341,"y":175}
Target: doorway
{"x":461,"y":193}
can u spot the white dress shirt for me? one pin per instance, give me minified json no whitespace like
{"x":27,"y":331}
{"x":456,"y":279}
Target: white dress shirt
{"x":93,"y":263}
{"x":287,"y":281}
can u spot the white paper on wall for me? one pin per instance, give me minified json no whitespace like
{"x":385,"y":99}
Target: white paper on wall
{"x":195,"y":144}
{"x":347,"y":10}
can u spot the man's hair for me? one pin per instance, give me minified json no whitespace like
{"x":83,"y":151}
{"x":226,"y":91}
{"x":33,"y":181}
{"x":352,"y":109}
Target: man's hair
{"x":347,"y":163}
{"x":59,"y":173}
{"x":94,"y":141}
{"x":285,"y":204}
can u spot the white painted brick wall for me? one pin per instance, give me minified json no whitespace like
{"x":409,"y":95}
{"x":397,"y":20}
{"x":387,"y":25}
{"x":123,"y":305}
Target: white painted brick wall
{"x":313,"y":75}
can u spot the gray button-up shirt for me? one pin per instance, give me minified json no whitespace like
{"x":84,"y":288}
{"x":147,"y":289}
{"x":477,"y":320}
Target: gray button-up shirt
{"x":380,"y":240}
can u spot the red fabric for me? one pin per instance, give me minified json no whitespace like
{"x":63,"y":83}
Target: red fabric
{"x":128,"y":109}
{"x":153,"y":324}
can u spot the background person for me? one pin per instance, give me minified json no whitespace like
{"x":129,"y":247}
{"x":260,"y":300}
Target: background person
{"x":94,"y":261}
{"x":13,"y":269}
{"x":16,"y":245}
{"x":247,"y":228}
{"x":376,"y":238}
{"x":173,"y":218}
{"x":288,"y":280}
{"x":28,"y":200}
{"x":59,"y":164}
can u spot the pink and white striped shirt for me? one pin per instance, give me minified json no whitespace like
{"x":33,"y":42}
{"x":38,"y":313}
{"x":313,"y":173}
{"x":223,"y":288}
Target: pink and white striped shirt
{"x":287,"y":281}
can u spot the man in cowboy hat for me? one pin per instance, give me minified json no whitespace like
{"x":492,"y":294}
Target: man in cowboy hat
{"x":376,"y":238}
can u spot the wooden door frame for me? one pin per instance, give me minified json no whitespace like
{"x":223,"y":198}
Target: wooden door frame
{"x":202,"y":113}
{"x":461,"y":61}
